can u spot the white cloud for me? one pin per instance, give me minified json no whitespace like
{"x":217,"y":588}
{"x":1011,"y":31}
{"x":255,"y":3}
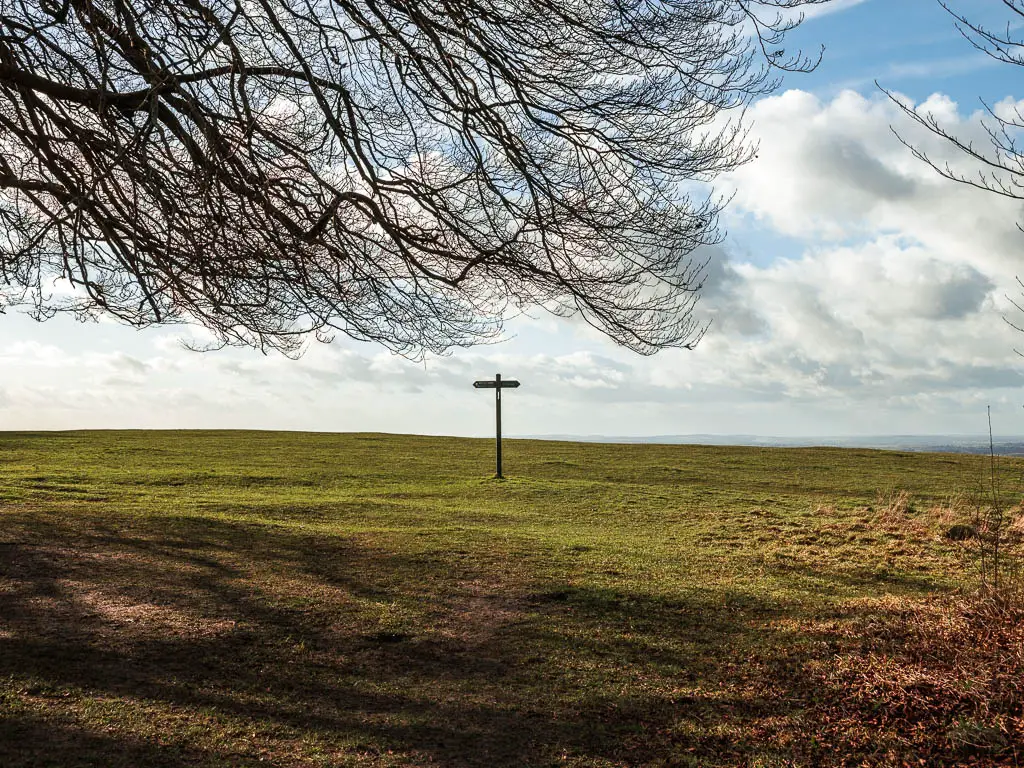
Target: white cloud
{"x":929,"y":69}
{"x":824,"y":9}
{"x":833,"y":170}
{"x":898,"y":290}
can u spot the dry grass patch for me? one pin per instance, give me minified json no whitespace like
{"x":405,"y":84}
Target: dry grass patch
{"x":893,"y":507}
{"x":941,"y":679}
{"x":949,"y":512}
{"x":825,"y":510}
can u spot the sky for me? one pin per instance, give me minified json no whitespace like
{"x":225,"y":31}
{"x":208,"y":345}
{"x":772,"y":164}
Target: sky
{"x":856,"y":293}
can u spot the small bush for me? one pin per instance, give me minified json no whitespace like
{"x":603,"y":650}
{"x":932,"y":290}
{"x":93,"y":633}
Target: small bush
{"x":993,"y":545}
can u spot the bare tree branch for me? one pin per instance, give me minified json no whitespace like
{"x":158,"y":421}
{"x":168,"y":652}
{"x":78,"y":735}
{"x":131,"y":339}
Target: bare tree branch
{"x":402,"y":171}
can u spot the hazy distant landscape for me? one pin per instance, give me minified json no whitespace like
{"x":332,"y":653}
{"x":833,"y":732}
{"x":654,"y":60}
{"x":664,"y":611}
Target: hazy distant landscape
{"x":1004,"y":446}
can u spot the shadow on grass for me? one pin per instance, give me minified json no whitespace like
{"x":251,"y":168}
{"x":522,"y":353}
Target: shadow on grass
{"x":32,"y":740}
{"x":192,"y":641}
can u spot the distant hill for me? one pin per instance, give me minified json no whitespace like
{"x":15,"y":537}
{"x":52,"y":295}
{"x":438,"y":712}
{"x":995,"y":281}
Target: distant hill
{"x":1004,"y":446}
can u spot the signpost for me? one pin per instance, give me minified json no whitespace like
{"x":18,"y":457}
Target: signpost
{"x":497,"y":385}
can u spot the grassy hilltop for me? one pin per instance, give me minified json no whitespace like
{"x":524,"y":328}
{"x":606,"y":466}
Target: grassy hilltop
{"x":245,"y":598}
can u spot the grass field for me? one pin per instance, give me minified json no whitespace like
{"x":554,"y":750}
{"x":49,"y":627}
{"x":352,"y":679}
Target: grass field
{"x":237,"y":598}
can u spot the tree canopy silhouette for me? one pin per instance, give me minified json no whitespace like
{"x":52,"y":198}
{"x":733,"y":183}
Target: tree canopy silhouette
{"x":403,"y":171}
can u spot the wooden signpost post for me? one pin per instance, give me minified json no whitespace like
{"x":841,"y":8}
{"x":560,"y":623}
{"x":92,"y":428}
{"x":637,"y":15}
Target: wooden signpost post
{"x":497,"y":385}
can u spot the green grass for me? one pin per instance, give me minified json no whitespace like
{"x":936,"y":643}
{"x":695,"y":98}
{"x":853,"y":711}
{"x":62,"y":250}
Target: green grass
{"x":245,"y":598}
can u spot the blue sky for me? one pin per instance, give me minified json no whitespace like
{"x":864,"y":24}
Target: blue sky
{"x":856,"y":294}
{"x":907,"y":45}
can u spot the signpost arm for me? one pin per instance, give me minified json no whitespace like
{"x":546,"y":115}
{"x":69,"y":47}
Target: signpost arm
{"x":497,"y":403}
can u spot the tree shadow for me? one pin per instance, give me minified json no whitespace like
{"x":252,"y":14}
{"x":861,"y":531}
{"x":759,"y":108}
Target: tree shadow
{"x":296,"y":648}
{"x":31,"y":740}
